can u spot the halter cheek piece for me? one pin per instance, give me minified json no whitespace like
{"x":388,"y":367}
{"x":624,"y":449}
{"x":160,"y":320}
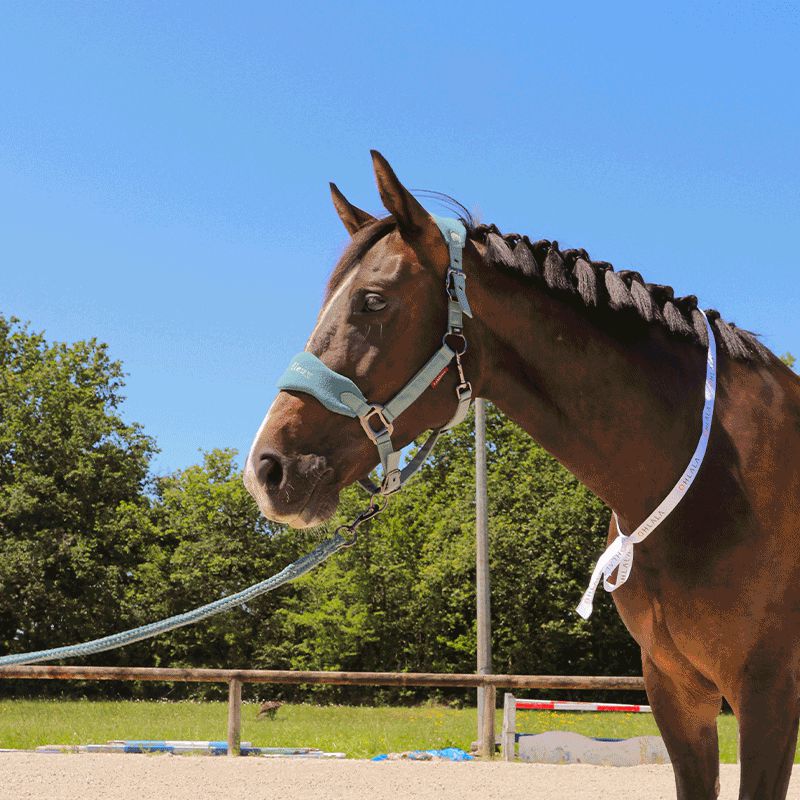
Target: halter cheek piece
{"x":339,"y":394}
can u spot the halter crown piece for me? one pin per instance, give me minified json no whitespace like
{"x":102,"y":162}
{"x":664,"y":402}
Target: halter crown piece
{"x":306,"y":373}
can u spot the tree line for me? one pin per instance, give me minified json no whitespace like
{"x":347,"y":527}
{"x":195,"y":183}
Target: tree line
{"x":92,"y":542}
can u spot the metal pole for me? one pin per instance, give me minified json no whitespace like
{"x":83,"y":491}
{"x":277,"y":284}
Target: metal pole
{"x":482,"y":588}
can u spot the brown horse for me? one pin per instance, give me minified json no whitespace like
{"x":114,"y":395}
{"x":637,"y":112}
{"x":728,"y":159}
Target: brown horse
{"x":607,"y":373}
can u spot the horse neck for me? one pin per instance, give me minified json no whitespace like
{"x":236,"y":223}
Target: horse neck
{"x":621,"y":413}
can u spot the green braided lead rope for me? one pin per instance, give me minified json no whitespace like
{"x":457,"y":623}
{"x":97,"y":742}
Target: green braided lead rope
{"x":290,"y":573}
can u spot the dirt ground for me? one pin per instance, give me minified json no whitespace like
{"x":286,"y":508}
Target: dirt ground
{"x":29,"y":776}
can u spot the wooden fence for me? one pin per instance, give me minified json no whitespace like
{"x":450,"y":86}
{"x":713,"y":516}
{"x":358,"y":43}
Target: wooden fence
{"x":236,"y":677}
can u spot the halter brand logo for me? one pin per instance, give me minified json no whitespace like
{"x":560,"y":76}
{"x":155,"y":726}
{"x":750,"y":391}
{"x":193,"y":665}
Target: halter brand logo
{"x":438,"y":378}
{"x":295,"y":367}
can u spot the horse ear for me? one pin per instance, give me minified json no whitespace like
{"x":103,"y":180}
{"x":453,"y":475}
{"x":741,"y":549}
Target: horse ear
{"x":413,"y":220}
{"x":352,"y":216}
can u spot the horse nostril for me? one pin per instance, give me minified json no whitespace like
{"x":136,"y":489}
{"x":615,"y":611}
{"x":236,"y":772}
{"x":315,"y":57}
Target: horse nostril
{"x":270,"y":469}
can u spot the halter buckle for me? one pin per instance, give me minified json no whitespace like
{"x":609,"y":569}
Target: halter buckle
{"x":456,"y":288}
{"x":386,"y":426}
{"x":464,"y":390}
{"x":450,"y":284}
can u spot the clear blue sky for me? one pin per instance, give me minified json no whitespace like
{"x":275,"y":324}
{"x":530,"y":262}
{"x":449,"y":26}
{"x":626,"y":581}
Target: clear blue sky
{"x":164,"y":166}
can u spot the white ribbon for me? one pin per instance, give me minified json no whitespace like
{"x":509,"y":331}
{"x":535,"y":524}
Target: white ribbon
{"x":619,"y":554}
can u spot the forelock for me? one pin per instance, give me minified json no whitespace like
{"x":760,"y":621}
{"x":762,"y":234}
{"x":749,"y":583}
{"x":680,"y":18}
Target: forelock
{"x":361,"y":244}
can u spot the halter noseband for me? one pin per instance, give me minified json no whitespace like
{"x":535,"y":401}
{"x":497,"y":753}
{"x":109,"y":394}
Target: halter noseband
{"x":307,"y":374}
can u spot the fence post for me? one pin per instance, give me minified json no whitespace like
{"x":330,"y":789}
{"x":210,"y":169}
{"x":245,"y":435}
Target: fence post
{"x":509,"y":726}
{"x":234,"y":716}
{"x":487,"y":741}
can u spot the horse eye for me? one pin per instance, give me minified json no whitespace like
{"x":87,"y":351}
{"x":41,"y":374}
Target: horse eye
{"x":374,"y":302}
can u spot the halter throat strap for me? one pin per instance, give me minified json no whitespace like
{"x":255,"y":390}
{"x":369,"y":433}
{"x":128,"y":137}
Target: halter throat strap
{"x":308,"y":374}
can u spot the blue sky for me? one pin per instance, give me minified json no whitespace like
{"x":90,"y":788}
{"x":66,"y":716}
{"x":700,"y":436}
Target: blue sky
{"x":164,"y":166}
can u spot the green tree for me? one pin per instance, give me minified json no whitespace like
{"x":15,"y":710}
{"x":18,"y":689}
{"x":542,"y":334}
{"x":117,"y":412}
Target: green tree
{"x":90,"y":545}
{"x":72,"y":474}
{"x":788,"y":359}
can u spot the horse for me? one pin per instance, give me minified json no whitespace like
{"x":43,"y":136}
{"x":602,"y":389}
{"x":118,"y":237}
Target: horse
{"x":606,"y":372}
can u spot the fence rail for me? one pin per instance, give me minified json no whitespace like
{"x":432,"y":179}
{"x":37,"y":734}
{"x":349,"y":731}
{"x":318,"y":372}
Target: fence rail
{"x":236,"y":677}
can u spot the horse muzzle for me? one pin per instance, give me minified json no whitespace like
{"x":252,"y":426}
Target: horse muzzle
{"x":294,"y":490}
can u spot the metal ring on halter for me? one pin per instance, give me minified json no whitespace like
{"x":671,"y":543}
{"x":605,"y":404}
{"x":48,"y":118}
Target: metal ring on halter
{"x":461,"y":336}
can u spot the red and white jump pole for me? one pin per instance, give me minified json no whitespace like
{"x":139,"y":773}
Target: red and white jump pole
{"x":559,"y":705}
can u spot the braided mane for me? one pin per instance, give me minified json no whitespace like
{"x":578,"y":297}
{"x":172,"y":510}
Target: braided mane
{"x":572,"y":273}
{"x":597,"y":285}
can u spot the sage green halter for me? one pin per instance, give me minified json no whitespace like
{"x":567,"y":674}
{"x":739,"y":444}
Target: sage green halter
{"x":306,"y":373}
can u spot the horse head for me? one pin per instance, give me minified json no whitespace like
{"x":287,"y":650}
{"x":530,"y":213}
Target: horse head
{"x":384,"y":315}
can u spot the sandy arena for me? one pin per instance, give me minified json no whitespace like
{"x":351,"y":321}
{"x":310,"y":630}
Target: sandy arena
{"x":28,"y":776}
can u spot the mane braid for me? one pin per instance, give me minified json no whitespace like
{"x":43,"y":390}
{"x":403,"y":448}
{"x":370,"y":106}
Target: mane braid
{"x":598,"y":285}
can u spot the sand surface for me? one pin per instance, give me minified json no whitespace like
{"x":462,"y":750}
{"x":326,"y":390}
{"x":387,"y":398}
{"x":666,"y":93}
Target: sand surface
{"x":29,"y":776}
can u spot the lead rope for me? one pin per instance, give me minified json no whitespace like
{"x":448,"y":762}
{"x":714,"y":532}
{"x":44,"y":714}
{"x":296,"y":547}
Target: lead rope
{"x":297,"y":568}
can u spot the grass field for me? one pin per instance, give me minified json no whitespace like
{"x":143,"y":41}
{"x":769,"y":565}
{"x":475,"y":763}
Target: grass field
{"x":358,"y":731}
